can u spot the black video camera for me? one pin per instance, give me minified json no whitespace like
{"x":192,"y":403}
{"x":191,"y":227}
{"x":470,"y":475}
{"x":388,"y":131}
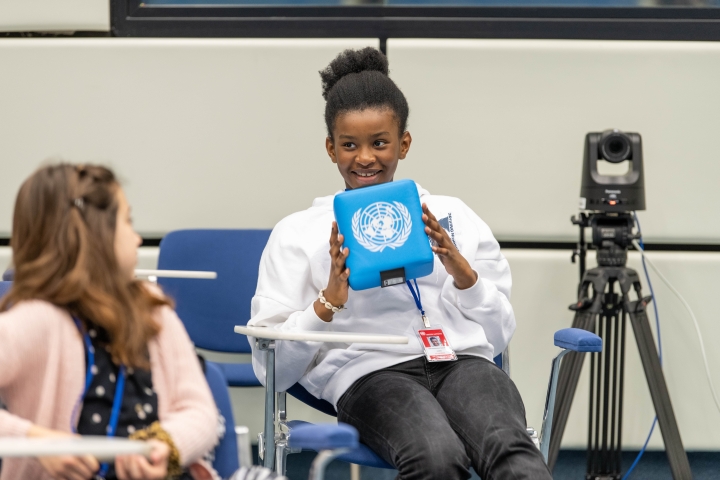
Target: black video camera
{"x":613,"y":193}
{"x":611,"y":199}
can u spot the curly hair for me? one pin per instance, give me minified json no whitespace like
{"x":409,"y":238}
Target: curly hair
{"x":357,"y":80}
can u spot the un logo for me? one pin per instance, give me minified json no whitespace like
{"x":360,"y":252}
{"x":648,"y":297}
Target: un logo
{"x":381,"y":225}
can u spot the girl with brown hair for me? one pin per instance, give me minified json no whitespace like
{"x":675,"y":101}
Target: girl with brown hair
{"x":87,"y":349}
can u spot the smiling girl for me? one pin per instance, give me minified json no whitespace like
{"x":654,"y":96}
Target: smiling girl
{"x":430,"y":420}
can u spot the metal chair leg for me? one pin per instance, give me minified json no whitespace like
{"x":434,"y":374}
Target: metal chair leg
{"x":546,"y":430}
{"x":268,"y":440}
{"x":282,"y":449}
{"x":323,"y":459}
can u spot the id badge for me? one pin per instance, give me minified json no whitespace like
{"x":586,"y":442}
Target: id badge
{"x":435,"y":344}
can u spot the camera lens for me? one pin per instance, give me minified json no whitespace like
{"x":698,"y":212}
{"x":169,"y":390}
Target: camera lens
{"x":615,"y":146}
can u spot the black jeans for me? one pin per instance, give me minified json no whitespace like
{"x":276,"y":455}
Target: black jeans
{"x":433,"y":420}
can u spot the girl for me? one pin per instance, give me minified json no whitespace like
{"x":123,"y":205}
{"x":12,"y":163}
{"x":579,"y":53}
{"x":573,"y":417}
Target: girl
{"x":79,"y":333}
{"x":430,"y":420}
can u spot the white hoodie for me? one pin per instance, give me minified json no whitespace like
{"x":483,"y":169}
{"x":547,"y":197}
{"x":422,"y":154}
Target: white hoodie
{"x":296,"y":265}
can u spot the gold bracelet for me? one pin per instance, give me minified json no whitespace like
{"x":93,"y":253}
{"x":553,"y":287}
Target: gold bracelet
{"x":156,"y":432}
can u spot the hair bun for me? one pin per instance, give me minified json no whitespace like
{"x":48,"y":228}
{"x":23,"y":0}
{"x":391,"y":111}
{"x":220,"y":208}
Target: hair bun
{"x":352,"y":61}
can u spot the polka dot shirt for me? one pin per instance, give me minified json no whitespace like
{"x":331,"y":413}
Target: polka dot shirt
{"x":139,"y":403}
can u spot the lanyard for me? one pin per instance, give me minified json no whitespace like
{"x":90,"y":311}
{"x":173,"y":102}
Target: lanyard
{"x":415,"y":291}
{"x":119,"y":391}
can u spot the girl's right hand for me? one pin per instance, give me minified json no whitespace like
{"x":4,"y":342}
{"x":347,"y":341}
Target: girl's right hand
{"x":64,"y":467}
{"x":336,"y":291}
{"x":137,"y":467}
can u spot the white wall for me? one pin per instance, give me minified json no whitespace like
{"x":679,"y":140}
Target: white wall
{"x":200,"y":129}
{"x":501,"y":123}
{"x":229,"y":133}
{"x":197,"y":126}
{"x":544,"y":285}
{"x":54,"y":15}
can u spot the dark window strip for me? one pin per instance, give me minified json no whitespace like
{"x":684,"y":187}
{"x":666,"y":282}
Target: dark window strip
{"x":151,"y":242}
{"x":650,"y":247}
{"x":81,"y":34}
{"x":656,"y":247}
{"x":137,"y":8}
{"x":539,"y":245}
{"x":467,"y":28}
{"x":132,"y":18}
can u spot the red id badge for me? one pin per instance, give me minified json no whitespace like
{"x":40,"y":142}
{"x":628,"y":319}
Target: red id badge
{"x":436,"y":346}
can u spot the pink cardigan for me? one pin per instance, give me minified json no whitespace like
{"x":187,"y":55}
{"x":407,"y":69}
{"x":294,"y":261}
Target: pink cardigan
{"x":42,"y":375}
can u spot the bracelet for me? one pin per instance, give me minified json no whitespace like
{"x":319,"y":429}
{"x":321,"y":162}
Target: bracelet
{"x":155,"y":431}
{"x":328,"y":305}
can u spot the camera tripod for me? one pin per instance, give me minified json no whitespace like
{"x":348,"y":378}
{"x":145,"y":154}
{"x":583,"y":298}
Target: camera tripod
{"x":602,"y":309}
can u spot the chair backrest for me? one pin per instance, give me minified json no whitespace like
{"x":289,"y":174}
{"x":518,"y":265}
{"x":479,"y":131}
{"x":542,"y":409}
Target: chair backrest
{"x":226,"y":452}
{"x":499,"y":362}
{"x":4,"y":287}
{"x":211,"y":308}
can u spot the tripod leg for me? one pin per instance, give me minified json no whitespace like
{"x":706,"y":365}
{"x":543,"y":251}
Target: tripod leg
{"x":570,"y":370}
{"x":658,"y":390}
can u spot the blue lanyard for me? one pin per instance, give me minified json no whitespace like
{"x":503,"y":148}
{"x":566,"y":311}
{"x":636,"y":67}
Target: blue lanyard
{"x":415,"y":291}
{"x":119,"y":391}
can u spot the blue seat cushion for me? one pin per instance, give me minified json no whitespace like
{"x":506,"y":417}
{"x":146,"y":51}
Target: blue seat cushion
{"x":239,"y":374}
{"x":323,"y":437}
{"x":362,"y":455}
{"x":299,"y":392}
{"x":578,"y":340}
{"x":359,"y":455}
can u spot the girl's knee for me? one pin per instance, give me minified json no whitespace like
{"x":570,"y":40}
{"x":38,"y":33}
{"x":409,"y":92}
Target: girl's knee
{"x":434,"y":458}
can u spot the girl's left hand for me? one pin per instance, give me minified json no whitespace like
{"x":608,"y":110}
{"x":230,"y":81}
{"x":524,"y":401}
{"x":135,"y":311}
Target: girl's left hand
{"x":447,"y":252}
{"x":137,"y":467}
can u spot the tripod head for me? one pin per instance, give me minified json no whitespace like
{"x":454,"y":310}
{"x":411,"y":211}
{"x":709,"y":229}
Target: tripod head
{"x":612,"y":234}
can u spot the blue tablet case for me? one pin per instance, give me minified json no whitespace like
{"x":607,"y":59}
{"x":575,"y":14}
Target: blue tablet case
{"x":384,"y":231}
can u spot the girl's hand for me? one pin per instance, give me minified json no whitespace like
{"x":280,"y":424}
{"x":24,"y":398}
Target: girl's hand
{"x":137,"y":467}
{"x":447,"y":252}
{"x":336,"y":291}
{"x":64,"y":467}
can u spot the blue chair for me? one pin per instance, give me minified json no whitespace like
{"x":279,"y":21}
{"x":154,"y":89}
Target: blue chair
{"x":227,"y":455}
{"x":4,"y":287}
{"x":8,"y":274}
{"x":281,"y":443}
{"x":360,"y":455}
{"x":329,"y":440}
{"x":211,"y":308}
